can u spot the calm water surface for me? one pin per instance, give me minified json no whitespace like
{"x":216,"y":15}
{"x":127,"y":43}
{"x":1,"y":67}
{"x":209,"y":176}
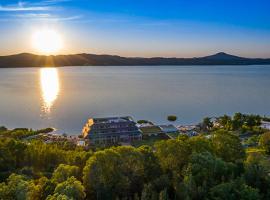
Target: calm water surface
{"x":65,"y":97}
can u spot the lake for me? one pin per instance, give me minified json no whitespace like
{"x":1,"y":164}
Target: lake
{"x":66,"y":97}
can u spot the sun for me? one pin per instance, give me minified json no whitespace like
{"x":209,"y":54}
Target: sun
{"x":47,"y":41}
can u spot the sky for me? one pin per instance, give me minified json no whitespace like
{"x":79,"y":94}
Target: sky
{"x":171,"y":28}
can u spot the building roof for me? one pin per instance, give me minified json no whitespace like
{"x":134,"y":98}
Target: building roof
{"x":168,"y":128}
{"x":112,"y":120}
{"x":150,"y":130}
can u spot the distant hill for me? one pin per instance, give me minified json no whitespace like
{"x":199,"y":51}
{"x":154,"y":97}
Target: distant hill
{"x":224,"y":56}
{"x":32,"y":60}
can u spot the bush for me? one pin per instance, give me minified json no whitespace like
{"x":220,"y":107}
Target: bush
{"x":172,"y":118}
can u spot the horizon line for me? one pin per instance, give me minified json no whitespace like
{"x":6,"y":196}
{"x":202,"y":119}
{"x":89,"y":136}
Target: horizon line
{"x":70,"y":54}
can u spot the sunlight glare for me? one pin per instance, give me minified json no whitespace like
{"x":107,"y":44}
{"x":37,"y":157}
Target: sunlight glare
{"x":47,"y":41}
{"x":49,"y":82}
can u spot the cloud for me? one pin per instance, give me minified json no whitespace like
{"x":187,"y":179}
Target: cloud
{"x":40,"y":17}
{"x":55,"y":1}
{"x":33,"y":15}
{"x":18,"y":8}
{"x":23,"y":6}
{"x":35,"y":11}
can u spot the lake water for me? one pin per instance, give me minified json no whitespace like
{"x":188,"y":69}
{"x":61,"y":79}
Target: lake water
{"x":66,"y":97}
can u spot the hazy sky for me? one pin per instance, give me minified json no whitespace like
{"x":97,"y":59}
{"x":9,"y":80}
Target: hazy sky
{"x":181,"y":28}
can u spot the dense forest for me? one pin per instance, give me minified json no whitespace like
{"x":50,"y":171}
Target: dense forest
{"x":214,"y":165}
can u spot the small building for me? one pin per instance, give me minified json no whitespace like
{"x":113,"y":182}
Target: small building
{"x":185,"y":128}
{"x":190,"y":133}
{"x":265,"y":125}
{"x":169,"y":128}
{"x":111,"y":130}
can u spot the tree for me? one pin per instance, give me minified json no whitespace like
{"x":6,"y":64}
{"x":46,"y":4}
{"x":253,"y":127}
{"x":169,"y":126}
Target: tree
{"x":63,"y":172}
{"x":200,"y":144}
{"x":173,"y":155}
{"x":172,"y":118}
{"x":264,"y":142}
{"x":12,"y":154}
{"x":238,"y":121}
{"x":228,"y":146}
{"x":149,"y":193}
{"x":18,"y":187}
{"x":252,"y":120}
{"x":205,"y":171}
{"x":71,"y":188}
{"x":225,"y":122}
{"x":46,"y":187}
{"x":206,"y":124}
{"x":5,"y":192}
{"x":114,"y":172}
{"x":3,"y":128}
{"x":234,"y":190}
{"x":152,"y":169}
{"x":58,"y":197}
{"x":256,"y":173}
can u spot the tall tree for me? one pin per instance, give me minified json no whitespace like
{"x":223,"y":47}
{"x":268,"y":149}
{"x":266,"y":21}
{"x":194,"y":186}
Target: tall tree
{"x":228,"y":146}
{"x":71,"y":188}
{"x":63,"y":172}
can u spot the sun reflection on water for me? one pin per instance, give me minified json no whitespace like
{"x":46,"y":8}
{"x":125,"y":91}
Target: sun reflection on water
{"x":49,"y":83}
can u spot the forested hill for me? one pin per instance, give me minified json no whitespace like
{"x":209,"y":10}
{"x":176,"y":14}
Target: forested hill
{"x":32,"y":60}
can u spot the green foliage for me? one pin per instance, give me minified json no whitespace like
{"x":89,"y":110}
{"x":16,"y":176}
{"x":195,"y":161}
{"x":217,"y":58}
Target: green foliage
{"x":228,"y":146}
{"x":18,"y":187}
{"x":200,"y":144}
{"x":58,"y":197}
{"x":234,"y":190}
{"x":265,"y":142}
{"x":63,"y":172}
{"x":151,"y":165}
{"x":114,"y":172}
{"x":17,"y":133}
{"x":46,"y":186}
{"x":11,"y":155}
{"x":184,"y":168}
{"x":46,"y":157}
{"x":257,"y":168}
{"x":2,"y":129}
{"x":206,"y":124}
{"x":173,"y":155}
{"x":253,"y":140}
{"x":205,"y":171}
{"x":225,"y":122}
{"x":149,"y":193}
{"x":240,"y":122}
{"x":45,"y":130}
{"x":72,"y":188}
